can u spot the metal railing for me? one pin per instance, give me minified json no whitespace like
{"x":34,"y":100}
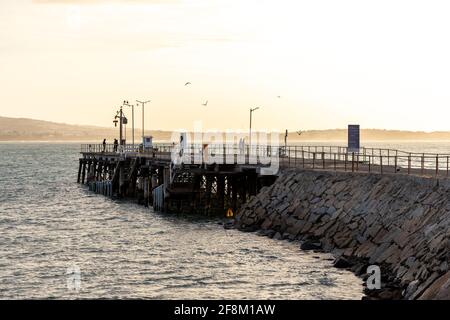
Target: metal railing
{"x":309,"y":157}
{"x":366,"y":160}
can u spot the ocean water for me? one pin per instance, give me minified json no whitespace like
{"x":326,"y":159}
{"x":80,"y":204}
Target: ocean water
{"x":59,"y":240}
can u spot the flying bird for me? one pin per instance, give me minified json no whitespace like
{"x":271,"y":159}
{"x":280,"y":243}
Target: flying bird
{"x":278,"y":97}
{"x":299,"y":133}
{"x":187,"y":83}
{"x":205,"y":104}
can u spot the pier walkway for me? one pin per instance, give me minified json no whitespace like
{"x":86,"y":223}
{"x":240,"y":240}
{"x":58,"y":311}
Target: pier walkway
{"x":215,"y":178}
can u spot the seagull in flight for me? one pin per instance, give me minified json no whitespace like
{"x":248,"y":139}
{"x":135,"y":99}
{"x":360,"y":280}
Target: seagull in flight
{"x":279,"y":97}
{"x":299,"y":132}
{"x":205,"y":104}
{"x":187,"y":83}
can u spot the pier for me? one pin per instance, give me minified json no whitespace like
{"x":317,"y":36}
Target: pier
{"x":216,"y":178}
{"x":154,"y":179}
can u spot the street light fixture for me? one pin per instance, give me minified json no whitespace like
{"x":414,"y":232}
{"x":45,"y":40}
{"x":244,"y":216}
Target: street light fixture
{"x":143,"y":119}
{"x":119,"y":115}
{"x":125,"y":103}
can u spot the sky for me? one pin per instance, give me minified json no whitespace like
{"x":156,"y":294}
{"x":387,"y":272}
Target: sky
{"x":318,"y":64}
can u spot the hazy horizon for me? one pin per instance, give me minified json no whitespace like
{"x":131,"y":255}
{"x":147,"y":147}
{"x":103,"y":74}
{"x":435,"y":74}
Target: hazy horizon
{"x":23,"y":129}
{"x":308,"y":65}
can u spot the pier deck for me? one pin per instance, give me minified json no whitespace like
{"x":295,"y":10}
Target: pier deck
{"x":219,"y":178}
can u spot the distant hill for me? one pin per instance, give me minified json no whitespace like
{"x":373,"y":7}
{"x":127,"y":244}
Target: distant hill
{"x":22,"y":129}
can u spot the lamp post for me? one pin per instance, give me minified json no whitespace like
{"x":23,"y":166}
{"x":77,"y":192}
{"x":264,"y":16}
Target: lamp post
{"x":132,"y":120}
{"x":143,"y":122}
{"x":120,"y":116}
{"x":251,"y":113}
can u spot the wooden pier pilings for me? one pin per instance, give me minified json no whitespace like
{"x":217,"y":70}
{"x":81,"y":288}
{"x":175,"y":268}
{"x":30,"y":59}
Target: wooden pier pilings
{"x":152,"y":181}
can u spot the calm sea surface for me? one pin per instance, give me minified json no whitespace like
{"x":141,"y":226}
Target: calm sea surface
{"x":49,"y":226}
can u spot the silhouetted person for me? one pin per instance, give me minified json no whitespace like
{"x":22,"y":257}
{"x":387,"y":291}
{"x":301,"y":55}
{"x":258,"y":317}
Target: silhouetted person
{"x":116,"y":144}
{"x":104,"y":145}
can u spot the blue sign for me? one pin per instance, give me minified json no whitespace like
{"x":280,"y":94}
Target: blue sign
{"x":354,"y":138}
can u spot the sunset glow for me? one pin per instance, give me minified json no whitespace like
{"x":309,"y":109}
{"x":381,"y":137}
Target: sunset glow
{"x":382,"y":64}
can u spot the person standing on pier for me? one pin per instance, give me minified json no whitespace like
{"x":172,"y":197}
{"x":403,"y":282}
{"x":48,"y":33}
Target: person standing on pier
{"x":104,"y":145}
{"x":116,"y":144}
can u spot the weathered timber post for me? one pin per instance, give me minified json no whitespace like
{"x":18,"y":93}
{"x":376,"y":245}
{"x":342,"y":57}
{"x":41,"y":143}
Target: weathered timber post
{"x":234,"y":190}
{"x":243,"y":188}
{"x":253,"y":184}
{"x":221,"y":191}
{"x":106,"y":169}
{"x":99,"y":170}
{"x":83,"y":173}
{"x":121,"y":180}
{"x":79,"y":171}
{"x":89,"y":164}
{"x":208,"y":192}
{"x":160,"y":175}
{"x":133,"y":176}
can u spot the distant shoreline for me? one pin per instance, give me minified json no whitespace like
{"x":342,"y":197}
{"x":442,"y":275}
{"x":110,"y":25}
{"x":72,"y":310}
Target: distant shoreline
{"x":29,"y":130}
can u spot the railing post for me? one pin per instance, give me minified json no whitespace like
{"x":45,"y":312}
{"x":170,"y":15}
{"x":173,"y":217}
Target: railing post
{"x":395,"y":159}
{"x":289,"y":156}
{"x":409,"y":163}
{"x":314,"y":160}
{"x":295,"y":156}
{"x":345,"y":161}
{"x":334,"y":162}
{"x":381,"y":164}
{"x":437,"y":165}
{"x":423,"y":163}
{"x":303,"y":158}
{"x":224,"y":153}
{"x":323,"y":159}
{"x":447,"y":165}
{"x":353,"y":162}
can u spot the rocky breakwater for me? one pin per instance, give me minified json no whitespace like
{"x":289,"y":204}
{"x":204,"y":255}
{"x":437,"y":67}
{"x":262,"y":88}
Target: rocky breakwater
{"x":398,"y":223}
